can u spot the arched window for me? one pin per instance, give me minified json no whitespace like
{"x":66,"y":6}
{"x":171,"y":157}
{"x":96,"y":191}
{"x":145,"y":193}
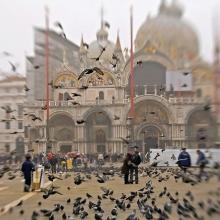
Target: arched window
{"x":101,"y":95}
{"x":198,"y":93}
{"x":7,"y":148}
{"x":66,"y":96}
{"x":60,"y":97}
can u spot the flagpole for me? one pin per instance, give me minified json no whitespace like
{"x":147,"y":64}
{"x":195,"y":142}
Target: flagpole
{"x":132,"y":112}
{"x":47,"y":73}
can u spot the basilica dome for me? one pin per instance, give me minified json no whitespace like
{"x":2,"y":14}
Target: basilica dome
{"x":170,"y":33}
{"x":95,"y":47}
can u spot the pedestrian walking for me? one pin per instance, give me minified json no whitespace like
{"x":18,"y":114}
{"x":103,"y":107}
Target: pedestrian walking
{"x":184,"y":160}
{"x":27,"y":169}
{"x":201,"y":162}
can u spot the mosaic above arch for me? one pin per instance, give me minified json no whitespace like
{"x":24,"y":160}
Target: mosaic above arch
{"x":66,"y":80}
{"x":150,"y":112}
{"x":97,"y":80}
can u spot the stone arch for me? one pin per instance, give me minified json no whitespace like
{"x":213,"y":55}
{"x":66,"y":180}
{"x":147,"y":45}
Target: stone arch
{"x":97,"y":109}
{"x":144,"y":56}
{"x":95,"y":121}
{"x":201,"y":127}
{"x":98,"y":130}
{"x":140,"y":128}
{"x":66,"y":114}
{"x":62,"y":127}
{"x":151,"y":135}
{"x":161,"y":102}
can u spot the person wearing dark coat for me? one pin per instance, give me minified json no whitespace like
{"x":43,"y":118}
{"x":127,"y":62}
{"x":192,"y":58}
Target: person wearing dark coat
{"x":27,"y":169}
{"x":126,"y":168}
{"x":201,"y":162}
{"x":184,"y":160}
{"x":135,"y":162}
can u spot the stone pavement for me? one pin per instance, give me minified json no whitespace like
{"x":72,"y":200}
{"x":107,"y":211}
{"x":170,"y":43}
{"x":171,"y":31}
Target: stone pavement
{"x":15,"y":187}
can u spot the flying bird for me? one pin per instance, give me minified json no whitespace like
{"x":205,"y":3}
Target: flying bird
{"x":26,"y":89}
{"x":107,"y":24}
{"x":113,"y":64}
{"x":44,"y":107}
{"x":75,"y":94}
{"x":116,"y":117}
{"x":13,"y":66}
{"x":75,"y":103}
{"x":68,"y":97}
{"x":89,"y":71}
{"x":63,"y":35}
{"x":139,"y":62}
{"x":80,"y":121}
{"x":7,"y":54}
{"x":207,"y":107}
{"x":83,"y":87}
{"x":184,"y":85}
{"x":125,"y":140}
{"x":101,"y":52}
{"x":7,"y":109}
{"x":37,"y":67}
{"x":59,"y":25}
{"x":185,"y":73}
{"x":86,"y":45}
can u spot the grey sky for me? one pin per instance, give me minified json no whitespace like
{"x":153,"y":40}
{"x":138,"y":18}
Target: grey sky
{"x":17,"y":18}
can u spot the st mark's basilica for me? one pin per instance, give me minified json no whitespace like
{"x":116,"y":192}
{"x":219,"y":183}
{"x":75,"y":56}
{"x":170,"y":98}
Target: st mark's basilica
{"x":174,"y":90}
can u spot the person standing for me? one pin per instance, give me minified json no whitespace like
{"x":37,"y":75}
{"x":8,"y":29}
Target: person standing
{"x":27,"y":169}
{"x":135,"y":162}
{"x":201,"y":162}
{"x":126,"y":168}
{"x":184,"y":160}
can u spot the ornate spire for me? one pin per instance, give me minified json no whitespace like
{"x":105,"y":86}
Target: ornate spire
{"x":118,"y":52}
{"x":102,"y":34}
{"x":82,"y":49}
{"x":163,"y":6}
{"x":118,"y":43}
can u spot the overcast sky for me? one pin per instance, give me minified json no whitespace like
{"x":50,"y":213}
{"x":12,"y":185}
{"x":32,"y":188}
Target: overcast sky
{"x":17,"y":18}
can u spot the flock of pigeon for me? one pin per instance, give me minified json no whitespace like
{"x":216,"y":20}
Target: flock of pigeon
{"x":147,"y":202}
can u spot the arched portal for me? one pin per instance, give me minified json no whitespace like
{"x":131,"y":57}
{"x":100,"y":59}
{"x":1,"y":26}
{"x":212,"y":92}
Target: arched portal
{"x":98,"y":131}
{"x":151,"y":135}
{"x":152,"y":124}
{"x":201,"y":128}
{"x":62,"y":129}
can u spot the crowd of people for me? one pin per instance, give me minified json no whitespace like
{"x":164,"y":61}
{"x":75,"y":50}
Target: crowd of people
{"x":70,"y":162}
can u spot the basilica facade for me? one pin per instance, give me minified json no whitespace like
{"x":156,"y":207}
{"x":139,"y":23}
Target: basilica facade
{"x":91,"y":114}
